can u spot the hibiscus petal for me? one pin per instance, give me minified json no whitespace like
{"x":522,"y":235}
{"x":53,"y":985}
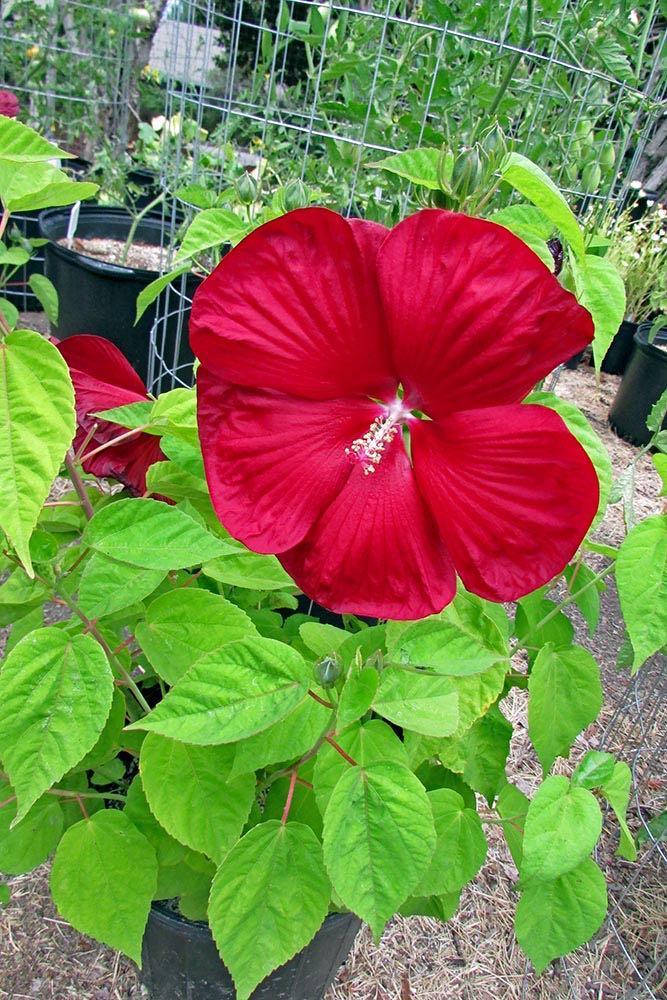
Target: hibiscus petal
{"x":376,"y":550}
{"x":295,"y":308}
{"x":127,"y":462}
{"x":93,"y":396}
{"x":475,"y":318}
{"x":273,"y":462}
{"x":101,"y":360}
{"x":512,"y":491}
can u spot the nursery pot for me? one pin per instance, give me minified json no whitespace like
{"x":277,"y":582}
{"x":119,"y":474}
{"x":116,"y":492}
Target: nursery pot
{"x":180,"y":961}
{"x":573,"y":363}
{"x":644,"y":381}
{"x":100,"y":298}
{"x":616,"y":359}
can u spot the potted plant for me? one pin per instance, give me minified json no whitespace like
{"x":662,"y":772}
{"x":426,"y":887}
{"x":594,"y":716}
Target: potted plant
{"x":185,"y":736}
{"x":637,"y":247}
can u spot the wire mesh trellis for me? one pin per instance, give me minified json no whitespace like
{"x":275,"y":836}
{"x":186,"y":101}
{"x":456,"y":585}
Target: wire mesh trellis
{"x":71,"y":65}
{"x":293,"y":88}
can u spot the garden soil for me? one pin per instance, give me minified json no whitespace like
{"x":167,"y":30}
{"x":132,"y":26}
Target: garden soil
{"x":474,"y":956}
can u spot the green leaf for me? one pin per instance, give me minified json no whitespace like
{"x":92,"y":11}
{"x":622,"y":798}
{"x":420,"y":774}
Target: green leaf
{"x":462,"y":640}
{"x":10,"y":313}
{"x":5,"y":894}
{"x":190,"y":792}
{"x":616,"y":791}
{"x":239,"y":567}
{"x":592,"y":444}
{"x":90,"y":884}
{"x":184,"y":625}
{"x":578,"y":576}
{"x":322,"y":639}
{"x":369,"y":743}
{"x":233,"y":692}
{"x":524,"y":217}
{"x":357,"y":695}
{"x":532,"y":182}
{"x":600,"y":289}
{"x":441,"y":908}
{"x":565,"y":696}
{"x":594,"y":769}
{"x":150,"y":534}
{"x":512,"y":807}
{"x":659,"y":409}
{"x":108,"y":586}
{"x":641,"y":578}
{"x":460,"y":848}
{"x":268,"y":900}
{"x":166,"y":479}
{"x":213,"y":227}
{"x":132,"y":415}
{"x":109,"y":741}
{"x":530,"y":612}
{"x":379,"y":837}
{"x":25,"y":845}
{"x":555,"y":917}
{"x":304,"y":808}
{"x":21,"y":144}
{"x":484,"y":749}
{"x":284,"y":741}
{"x":37,"y":427}
{"x":419,"y":166}
{"x":28,"y":187}
{"x":562,"y":827}
{"x":168,"y":851}
{"x":47,"y":295}
{"x":55,"y":697}
{"x":423,"y":703}
{"x":24,"y":626}
{"x":150,"y":293}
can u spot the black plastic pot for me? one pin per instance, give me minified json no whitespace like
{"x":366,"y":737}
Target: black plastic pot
{"x":18,"y":289}
{"x":644,"y":381}
{"x":616,"y":359}
{"x":180,"y":961}
{"x":100,"y":298}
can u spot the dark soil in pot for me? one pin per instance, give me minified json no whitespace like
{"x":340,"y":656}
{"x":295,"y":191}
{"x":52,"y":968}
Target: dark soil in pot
{"x":644,"y":382}
{"x":181,"y":961}
{"x":616,"y":359}
{"x":99,"y":297}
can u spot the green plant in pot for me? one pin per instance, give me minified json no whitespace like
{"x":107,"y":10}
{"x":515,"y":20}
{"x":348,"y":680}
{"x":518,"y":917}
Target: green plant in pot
{"x":279,"y":692}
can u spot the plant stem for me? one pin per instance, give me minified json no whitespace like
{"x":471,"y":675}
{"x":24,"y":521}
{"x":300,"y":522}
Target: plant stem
{"x":340,"y":750}
{"x":86,"y":441}
{"x":308,"y":755}
{"x":133,"y":228}
{"x":8,"y":802}
{"x":290,"y":796}
{"x":327,"y":704}
{"x":77,"y":483}
{"x":516,"y":59}
{"x":65,"y":793}
{"x":573,"y":597}
{"x":114,"y":441}
{"x":4,"y":325}
{"x":3,"y":222}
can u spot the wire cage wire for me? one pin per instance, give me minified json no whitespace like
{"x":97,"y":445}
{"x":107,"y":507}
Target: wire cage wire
{"x":322,"y":91}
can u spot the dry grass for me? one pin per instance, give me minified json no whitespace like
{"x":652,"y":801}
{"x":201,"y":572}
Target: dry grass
{"x":474,"y":956}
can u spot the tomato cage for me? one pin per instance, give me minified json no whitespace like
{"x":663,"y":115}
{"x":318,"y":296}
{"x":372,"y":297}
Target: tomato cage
{"x":284,"y":89}
{"x":71,"y":65}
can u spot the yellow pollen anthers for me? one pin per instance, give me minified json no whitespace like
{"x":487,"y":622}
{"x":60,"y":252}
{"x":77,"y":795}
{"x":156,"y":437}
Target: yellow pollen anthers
{"x":367,"y":450}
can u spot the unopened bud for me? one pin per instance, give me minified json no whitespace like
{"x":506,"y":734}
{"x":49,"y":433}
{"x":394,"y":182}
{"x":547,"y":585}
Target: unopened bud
{"x":328,"y":670}
{"x":494,"y":144}
{"x":295,"y":195}
{"x":608,"y":154}
{"x":375,"y":660}
{"x":444,"y":170}
{"x":246,"y":189}
{"x":440,"y":199}
{"x":591,"y":177}
{"x":467,"y":173}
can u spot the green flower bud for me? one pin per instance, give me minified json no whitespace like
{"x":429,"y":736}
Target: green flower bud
{"x":494,"y":144}
{"x":608,"y":154}
{"x":439,"y":199}
{"x":328,"y":670}
{"x":246,"y":189}
{"x":444,"y":169}
{"x":591,"y":177}
{"x":295,"y":195}
{"x":467,"y":173}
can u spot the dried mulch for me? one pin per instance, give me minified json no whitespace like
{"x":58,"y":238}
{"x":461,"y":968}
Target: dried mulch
{"x":474,"y":956}
{"x":140,"y":255}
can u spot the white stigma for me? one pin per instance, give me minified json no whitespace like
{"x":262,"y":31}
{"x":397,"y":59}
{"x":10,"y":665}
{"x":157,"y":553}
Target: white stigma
{"x":367,"y":451}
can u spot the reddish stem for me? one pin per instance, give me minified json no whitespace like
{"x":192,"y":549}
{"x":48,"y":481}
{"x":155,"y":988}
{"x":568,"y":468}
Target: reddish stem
{"x":84,"y":811}
{"x":114,"y":441}
{"x":77,"y":483}
{"x":123,"y":645}
{"x":290,"y":796}
{"x":306,"y":784}
{"x":340,"y":750}
{"x":327,"y":704}
{"x":8,"y":802}
{"x":86,"y":441}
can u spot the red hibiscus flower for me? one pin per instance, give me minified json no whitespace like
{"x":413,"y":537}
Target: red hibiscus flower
{"x":360,"y":413}
{"x":103,"y":378}
{"x":9,"y":104}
